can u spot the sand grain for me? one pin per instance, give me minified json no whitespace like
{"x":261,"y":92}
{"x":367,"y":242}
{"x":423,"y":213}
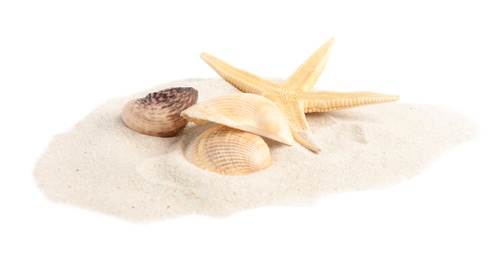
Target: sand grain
{"x":102,"y":165}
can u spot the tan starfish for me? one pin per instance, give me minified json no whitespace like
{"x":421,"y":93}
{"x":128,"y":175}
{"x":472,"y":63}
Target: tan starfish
{"x":293,"y":96}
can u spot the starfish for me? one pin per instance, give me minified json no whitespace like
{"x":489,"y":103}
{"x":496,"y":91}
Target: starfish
{"x":294,"y":95}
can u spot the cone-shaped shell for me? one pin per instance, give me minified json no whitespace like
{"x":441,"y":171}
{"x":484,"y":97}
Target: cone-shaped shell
{"x":158,"y":113}
{"x":228,"y":151}
{"x":248,"y":112}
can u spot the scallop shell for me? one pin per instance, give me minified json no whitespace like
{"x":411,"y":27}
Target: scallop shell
{"x":248,"y":112}
{"x":228,"y":151}
{"x":158,"y":113}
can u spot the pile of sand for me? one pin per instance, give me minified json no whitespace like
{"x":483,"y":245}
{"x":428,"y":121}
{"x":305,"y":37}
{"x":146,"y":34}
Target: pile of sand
{"x":102,"y":165}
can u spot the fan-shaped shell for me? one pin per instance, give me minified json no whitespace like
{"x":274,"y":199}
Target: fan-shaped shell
{"x":228,"y":151}
{"x":158,"y":113}
{"x":248,"y":112}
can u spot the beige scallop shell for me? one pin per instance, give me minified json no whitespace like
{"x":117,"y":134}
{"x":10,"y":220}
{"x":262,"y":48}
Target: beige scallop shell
{"x":158,"y":113}
{"x":248,"y":112}
{"x":228,"y":151}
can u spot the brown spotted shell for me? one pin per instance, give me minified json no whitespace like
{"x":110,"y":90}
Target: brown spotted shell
{"x":158,"y":113}
{"x":228,"y":151}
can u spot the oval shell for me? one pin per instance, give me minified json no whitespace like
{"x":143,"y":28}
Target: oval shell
{"x":228,"y":151}
{"x":158,"y":113}
{"x":248,"y":112}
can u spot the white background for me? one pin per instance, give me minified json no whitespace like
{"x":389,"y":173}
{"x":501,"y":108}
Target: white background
{"x":61,"y":59}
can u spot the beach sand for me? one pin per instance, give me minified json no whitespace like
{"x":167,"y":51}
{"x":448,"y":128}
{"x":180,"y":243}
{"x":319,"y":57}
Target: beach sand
{"x":102,"y":165}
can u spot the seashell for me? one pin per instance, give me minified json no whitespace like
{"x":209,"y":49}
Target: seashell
{"x":248,"y":112}
{"x":158,"y":113}
{"x":228,"y":151}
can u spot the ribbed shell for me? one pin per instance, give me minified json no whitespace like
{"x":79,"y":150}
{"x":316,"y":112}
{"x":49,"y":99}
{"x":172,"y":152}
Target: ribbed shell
{"x":228,"y":151}
{"x":248,"y":112}
{"x":158,"y":113}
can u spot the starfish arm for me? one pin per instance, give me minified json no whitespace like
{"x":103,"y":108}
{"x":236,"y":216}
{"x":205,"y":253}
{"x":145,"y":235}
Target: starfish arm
{"x":242,"y":80}
{"x":307,"y":74}
{"x":293,"y":111}
{"x":322,"y":101}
